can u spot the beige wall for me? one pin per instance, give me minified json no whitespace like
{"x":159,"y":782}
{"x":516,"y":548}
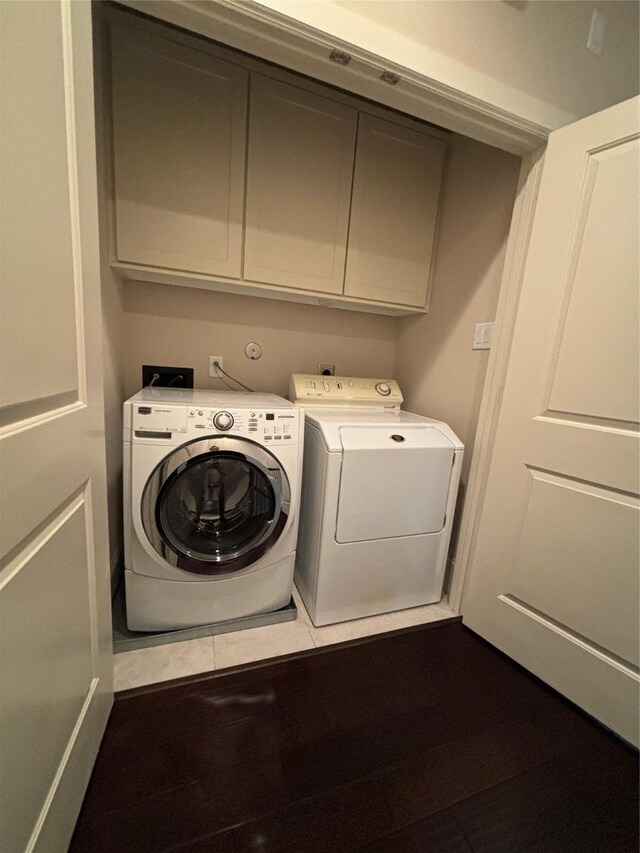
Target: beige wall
{"x":113,"y":357}
{"x":440,"y":374}
{"x":183,"y":326}
{"x":528,"y":57}
{"x":430,"y":355}
{"x":112,"y":318}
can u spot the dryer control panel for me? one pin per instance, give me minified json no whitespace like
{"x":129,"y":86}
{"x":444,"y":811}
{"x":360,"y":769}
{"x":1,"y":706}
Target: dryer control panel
{"x":313,"y":390}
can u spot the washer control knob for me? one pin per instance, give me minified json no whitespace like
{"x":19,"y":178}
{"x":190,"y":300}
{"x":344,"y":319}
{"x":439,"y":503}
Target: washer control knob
{"x":383,"y":388}
{"x":223,"y":421}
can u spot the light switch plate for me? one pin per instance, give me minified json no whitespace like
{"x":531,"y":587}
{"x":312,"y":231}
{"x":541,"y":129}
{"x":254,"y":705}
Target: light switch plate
{"x":482,"y":336}
{"x":595,"y":41}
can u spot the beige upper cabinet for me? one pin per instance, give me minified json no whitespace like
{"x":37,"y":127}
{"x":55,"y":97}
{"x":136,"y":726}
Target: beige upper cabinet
{"x":300,"y":164}
{"x":394,"y":212}
{"x":179,"y":126}
{"x":332,"y":202}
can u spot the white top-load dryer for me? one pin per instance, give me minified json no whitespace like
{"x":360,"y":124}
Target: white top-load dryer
{"x":378,"y":497}
{"x":211,"y":491}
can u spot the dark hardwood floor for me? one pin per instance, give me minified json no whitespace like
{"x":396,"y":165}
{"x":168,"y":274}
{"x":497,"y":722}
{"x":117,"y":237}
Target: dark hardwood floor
{"x":423,"y":740}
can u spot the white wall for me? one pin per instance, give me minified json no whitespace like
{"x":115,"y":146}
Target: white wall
{"x":182,"y":326}
{"x":528,"y":57}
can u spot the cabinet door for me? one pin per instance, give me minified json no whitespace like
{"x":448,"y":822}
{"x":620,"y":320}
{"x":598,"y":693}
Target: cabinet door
{"x":393,"y":213}
{"x":301,"y":149}
{"x":179,"y":126}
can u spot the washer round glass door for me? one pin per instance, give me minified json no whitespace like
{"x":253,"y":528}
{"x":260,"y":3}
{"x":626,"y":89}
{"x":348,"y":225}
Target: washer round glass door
{"x":215,"y":505}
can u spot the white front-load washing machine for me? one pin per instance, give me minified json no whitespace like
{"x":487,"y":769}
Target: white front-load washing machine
{"x":378,"y":497}
{"x":211,"y":498}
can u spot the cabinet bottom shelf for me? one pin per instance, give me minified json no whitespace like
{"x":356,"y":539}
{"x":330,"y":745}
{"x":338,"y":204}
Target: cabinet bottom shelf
{"x":264,"y":291}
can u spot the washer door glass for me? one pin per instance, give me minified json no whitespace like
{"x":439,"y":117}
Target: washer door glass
{"x":218,"y":512}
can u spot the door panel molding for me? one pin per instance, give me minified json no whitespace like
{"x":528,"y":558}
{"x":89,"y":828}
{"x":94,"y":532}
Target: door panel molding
{"x":35,"y":412}
{"x":589,"y":422}
{"x":572,"y":285}
{"x":64,"y":762}
{"x":46,"y":676}
{"x":589,"y":486}
{"x":15,"y":560}
{"x":577,"y":592}
{"x":624,"y":666}
{"x":599,"y":675}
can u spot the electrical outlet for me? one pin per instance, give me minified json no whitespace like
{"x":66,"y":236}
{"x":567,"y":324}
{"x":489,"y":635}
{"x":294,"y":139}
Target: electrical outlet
{"x":213,"y":361}
{"x":327,"y":369}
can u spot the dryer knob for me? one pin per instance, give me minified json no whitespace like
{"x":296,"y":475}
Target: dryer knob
{"x":383,"y":388}
{"x":223,"y":421}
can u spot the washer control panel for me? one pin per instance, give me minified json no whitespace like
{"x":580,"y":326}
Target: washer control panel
{"x":277,"y":425}
{"x":263,"y":426}
{"x":312,"y":390}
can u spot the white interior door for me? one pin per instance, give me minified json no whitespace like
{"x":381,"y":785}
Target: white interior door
{"x":553,"y":580}
{"x":55,"y":643}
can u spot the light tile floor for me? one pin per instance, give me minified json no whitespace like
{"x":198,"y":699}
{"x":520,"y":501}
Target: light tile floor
{"x":161,"y":663}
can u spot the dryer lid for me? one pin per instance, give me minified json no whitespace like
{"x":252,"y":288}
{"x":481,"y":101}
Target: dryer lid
{"x":394,"y":481}
{"x":333,"y":422}
{"x":393,"y":437}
